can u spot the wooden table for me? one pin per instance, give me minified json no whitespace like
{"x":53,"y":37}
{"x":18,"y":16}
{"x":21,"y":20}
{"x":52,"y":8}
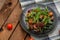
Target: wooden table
{"x":10,"y":13}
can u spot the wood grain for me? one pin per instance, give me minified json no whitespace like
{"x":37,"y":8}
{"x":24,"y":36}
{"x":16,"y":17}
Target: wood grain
{"x":11,"y":14}
{"x":18,"y":34}
{"x":4,"y":13}
{"x":13,"y":19}
{"x":1,"y":3}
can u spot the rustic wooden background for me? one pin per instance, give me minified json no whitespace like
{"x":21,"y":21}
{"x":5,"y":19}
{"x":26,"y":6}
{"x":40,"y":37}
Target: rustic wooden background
{"x":10,"y":13}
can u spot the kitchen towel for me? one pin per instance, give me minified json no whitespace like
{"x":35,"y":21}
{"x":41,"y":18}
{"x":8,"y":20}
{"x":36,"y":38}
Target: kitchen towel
{"x":57,"y":5}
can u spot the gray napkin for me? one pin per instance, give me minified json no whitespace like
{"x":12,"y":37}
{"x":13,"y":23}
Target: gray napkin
{"x":58,"y":26}
{"x":57,"y":3}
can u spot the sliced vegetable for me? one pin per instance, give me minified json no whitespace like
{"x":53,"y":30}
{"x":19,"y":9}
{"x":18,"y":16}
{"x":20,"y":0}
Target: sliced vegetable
{"x":50,"y":13}
{"x":41,"y":16}
{"x":30,"y":20}
{"x":28,"y":14}
{"x":35,"y":26}
{"x":52,"y":18}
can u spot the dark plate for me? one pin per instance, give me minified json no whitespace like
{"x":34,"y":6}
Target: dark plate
{"x":24,"y":25}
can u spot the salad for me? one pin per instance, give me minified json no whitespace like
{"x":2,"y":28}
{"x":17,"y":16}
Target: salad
{"x":39,"y":20}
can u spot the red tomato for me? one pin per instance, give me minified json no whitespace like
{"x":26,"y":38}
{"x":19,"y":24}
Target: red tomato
{"x":50,"y":13}
{"x":31,"y":38}
{"x":9,"y":26}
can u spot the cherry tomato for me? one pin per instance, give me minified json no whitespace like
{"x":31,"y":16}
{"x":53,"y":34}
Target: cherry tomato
{"x":30,"y":20}
{"x":31,"y":38}
{"x":50,"y":13}
{"x":9,"y":26}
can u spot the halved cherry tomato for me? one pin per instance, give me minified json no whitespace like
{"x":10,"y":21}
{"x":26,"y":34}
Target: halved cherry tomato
{"x":30,"y":20}
{"x":50,"y":13}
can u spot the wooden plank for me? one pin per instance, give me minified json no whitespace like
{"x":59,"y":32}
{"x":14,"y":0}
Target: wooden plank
{"x":6,"y":10}
{"x":13,"y":19}
{"x":18,"y":34}
{"x":1,"y":3}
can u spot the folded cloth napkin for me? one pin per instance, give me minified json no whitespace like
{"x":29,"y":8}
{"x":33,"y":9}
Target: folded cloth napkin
{"x":58,"y":6}
{"x":57,"y":3}
{"x":26,"y":2}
